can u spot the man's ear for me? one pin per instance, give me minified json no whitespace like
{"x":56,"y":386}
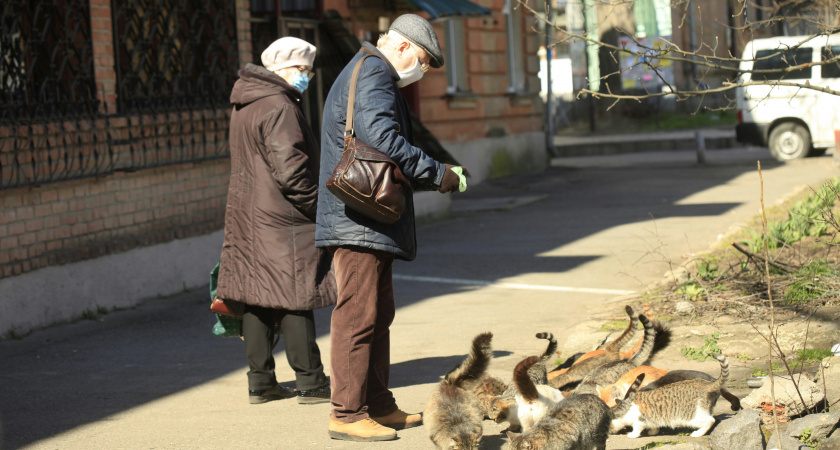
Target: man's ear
{"x":403,"y":46}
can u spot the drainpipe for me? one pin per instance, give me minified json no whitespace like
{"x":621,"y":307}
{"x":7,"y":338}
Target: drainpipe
{"x":549,"y":123}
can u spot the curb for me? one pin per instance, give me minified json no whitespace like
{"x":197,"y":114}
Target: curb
{"x":668,"y":144}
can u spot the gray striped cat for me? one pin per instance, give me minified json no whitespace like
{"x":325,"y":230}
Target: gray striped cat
{"x":579,"y":422}
{"x":682,"y":404}
{"x":453,"y":415}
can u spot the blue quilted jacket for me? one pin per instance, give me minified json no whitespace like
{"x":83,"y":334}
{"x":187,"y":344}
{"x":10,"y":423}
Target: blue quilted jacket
{"x":381,"y":120}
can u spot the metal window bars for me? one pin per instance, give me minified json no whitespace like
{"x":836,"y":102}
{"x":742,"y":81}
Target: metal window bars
{"x":175,"y":62}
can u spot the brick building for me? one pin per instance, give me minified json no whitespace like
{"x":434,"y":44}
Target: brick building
{"x":113,"y":130}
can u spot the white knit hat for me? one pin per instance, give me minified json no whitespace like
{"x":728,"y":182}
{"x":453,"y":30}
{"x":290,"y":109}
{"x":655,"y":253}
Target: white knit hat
{"x":288,"y":52}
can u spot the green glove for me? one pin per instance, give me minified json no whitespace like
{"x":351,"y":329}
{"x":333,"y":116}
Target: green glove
{"x":462,"y":185}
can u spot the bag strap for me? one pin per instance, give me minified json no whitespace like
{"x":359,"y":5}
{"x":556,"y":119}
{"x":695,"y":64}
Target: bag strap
{"x":351,"y":99}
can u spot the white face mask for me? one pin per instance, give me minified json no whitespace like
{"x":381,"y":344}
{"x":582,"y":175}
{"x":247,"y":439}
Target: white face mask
{"x":411,"y":75}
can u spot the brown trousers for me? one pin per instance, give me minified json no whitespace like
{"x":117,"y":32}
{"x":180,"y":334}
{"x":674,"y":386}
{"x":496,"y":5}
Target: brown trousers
{"x":360,"y":334}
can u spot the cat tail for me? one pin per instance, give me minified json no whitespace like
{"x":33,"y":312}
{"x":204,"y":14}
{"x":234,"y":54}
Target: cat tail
{"x":623,"y":405}
{"x":628,"y":334}
{"x":550,"y":349}
{"x":663,"y":337}
{"x":646,"y":349}
{"x":524,"y":384}
{"x":472,"y":369}
{"x":724,"y":373}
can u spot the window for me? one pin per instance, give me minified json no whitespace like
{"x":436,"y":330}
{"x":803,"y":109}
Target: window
{"x":174,"y":54}
{"x":456,"y":75}
{"x":783,"y":60}
{"x":513,"y":18}
{"x":46,"y":59}
{"x":831,"y":70}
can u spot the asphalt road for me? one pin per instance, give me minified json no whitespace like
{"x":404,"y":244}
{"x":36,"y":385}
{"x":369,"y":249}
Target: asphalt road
{"x":520,"y":255}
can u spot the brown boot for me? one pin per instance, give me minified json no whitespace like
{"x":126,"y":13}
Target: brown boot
{"x":365,"y":430}
{"x":399,"y":420}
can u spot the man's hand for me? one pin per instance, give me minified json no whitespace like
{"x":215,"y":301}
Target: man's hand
{"x":451,"y":180}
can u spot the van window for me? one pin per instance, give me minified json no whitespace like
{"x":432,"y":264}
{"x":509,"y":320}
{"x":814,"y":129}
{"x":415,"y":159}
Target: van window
{"x":789,"y":58}
{"x":831,"y":70}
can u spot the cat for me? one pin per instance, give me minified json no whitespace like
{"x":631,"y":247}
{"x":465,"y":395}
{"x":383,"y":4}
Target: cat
{"x":686,"y":403}
{"x":533,"y":401}
{"x":501,"y":405}
{"x":612,"y":371}
{"x":453,"y":414}
{"x":581,"y":421}
{"x":580,"y":369}
{"x":486,"y":390}
{"x":682,"y":375}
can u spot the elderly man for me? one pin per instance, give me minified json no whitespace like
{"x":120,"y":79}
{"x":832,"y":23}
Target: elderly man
{"x":363,"y":408}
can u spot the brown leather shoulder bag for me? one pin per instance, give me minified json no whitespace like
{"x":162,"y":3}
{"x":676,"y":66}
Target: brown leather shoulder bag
{"x":366,"y":179}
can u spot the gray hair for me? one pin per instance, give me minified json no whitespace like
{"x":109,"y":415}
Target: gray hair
{"x":383,"y":41}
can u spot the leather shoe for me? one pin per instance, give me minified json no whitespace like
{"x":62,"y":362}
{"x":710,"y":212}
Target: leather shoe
{"x":399,"y":420}
{"x":365,"y":430}
{"x":266,"y":395}
{"x":313,"y":396}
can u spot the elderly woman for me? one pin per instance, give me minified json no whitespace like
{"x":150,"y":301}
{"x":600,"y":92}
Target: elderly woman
{"x":269,"y":260}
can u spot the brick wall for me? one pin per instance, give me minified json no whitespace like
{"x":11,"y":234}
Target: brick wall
{"x":71,"y":221}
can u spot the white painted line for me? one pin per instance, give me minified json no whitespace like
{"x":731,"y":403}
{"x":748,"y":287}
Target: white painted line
{"x":527,"y":287}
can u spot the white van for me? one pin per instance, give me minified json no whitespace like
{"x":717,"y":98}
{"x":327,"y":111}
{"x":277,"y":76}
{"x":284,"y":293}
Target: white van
{"x":793,"y":122}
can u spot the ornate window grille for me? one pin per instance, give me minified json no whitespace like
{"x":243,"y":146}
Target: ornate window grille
{"x":172,"y":54}
{"x":176,"y":62}
{"x":50,"y":129}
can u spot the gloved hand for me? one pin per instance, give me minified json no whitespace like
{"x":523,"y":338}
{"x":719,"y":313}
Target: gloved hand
{"x":450,"y":181}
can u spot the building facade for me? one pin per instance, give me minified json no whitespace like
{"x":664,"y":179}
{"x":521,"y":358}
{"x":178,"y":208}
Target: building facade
{"x":113,"y":130}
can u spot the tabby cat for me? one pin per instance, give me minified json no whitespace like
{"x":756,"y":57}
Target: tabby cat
{"x":686,"y":403}
{"x":581,"y":421}
{"x":486,"y":390}
{"x":682,"y":375}
{"x":453,"y":415}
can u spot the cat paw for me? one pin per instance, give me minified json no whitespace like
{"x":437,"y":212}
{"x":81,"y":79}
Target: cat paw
{"x":698,"y":433}
{"x":634,"y":435}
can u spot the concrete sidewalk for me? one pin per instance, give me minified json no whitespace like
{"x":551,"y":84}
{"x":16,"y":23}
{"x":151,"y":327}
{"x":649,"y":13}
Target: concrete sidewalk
{"x":520,"y":255}
{"x":603,"y":143}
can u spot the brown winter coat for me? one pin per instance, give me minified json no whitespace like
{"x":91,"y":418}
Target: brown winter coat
{"x":269,"y":256}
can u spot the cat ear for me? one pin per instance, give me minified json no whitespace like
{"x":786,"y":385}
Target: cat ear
{"x":511,"y":435}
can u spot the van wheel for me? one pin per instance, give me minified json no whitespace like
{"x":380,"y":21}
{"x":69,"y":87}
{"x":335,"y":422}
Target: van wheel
{"x":790,"y":141}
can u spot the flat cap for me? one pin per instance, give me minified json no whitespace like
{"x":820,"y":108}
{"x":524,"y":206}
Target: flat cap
{"x":287,"y":52}
{"x":420,"y":32}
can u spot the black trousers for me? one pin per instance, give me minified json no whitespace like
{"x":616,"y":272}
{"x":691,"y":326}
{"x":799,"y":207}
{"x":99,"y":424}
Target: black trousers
{"x":302,"y":351}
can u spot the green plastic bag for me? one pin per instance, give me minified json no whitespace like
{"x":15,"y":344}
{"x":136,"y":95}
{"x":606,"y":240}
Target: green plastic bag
{"x":225,"y":326}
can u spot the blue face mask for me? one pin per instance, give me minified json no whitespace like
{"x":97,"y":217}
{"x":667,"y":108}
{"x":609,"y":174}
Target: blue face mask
{"x":300,"y":82}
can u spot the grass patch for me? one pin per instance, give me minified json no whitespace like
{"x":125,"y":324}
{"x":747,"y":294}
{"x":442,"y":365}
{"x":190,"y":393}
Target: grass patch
{"x":704,"y":353}
{"x":808,"y":355}
{"x":761,"y":372}
{"x":810,"y":282}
